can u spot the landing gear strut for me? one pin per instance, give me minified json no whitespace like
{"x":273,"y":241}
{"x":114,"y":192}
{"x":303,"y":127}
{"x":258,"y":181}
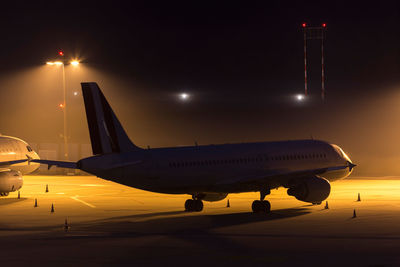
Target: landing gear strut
{"x":262,"y":205}
{"x":194,"y":204}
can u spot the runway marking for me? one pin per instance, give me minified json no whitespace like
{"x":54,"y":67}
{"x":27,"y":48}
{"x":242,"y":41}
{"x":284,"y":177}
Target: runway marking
{"x":83,"y":202}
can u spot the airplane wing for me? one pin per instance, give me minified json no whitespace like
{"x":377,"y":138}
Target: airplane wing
{"x":7,"y":163}
{"x":281,"y":174}
{"x":61,"y":164}
{"x":74,"y":165}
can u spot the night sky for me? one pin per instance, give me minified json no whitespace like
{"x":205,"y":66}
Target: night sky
{"x":241,"y":62}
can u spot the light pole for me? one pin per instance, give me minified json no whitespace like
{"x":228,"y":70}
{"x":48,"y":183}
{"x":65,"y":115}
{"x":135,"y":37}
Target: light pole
{"x":64,"y":104}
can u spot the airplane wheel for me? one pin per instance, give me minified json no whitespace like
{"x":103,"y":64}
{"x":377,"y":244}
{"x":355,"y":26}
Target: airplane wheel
{"x":6,"y":194}
{"x":261,"y":206}
{"x":189,"y":204}
{"x":193,"y":205}
{"x":198,"y":205}
{"x":267,"y":206}
{"x":256,"y":206}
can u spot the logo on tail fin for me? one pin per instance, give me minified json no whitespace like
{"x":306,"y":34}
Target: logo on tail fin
{"x":106,"y":132}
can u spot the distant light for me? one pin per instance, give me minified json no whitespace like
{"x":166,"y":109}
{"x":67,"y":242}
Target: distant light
{"x":58,"y":63}
{"x":74,"y":63}
{"x":184,"y":96}
{"x":75,"y":93}
{"x":300,"y":97}
{"x":61,"y":105}
{"x":324,"y":25}
{"x":61,"y":53}
{"x":304,"y":25}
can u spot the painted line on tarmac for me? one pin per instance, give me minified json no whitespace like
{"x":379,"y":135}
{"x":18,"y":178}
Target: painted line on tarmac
{"x":83,"y":202}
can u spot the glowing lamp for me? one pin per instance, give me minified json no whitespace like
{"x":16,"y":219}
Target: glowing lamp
{"x":304,"y":25}
{"x":61,"y":53}
{"x":184,"y":96}
{"x":323,"y":25}
{"x":74,"y":63}
{"x":61,"y":105}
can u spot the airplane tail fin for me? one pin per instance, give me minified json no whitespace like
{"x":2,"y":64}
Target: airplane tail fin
{"x":106,"y":132}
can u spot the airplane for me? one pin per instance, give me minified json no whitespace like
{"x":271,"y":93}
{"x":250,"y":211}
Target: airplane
{"x":15,"y":157}
{"x":207,"y":172}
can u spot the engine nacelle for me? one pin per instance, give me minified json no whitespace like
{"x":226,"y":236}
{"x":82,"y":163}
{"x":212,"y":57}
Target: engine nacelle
{"x":10,"y":181}
{"x":313,"y":189}
{"x":211,"y":197}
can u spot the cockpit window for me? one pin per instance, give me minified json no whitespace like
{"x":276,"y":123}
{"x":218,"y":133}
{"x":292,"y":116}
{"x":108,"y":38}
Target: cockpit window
{"x":341,"y":152}
{"x":29,"y":148}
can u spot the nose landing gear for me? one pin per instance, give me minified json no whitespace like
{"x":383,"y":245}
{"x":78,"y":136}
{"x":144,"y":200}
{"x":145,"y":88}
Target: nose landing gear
{"x":194,"y":204}
{"x":262,"y":205}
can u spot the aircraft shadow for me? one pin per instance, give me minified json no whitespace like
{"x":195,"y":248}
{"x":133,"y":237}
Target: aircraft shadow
{"x":193,"y":224}
{"x":201,"y":233}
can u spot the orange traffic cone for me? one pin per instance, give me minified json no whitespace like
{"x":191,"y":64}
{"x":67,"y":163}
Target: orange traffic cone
{"x":66,"y":226}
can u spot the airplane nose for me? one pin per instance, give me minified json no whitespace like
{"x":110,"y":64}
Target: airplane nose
{"x":34,"y":164}
{"x":351,"y":165}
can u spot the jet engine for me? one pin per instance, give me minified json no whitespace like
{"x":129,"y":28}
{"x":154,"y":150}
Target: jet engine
{"x":10,"y":181}
{"x":313,"y":189}
{"x":211,"y":197}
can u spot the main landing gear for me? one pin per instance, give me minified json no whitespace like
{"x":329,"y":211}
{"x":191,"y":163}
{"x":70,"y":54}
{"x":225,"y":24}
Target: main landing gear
{"x":194,"y":204}
{"x":262,"y":205}
{"x":4,"y":194}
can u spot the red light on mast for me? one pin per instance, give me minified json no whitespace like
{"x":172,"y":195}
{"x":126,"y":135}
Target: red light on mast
{"x":304,"y":25}
{"x":323,"y":25}
{"x":61,"y":53}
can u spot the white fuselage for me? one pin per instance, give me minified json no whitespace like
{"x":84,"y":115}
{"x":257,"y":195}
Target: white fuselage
{"x":15,"y":156}
{"x":11,"y":149}
{"x":218,"y":168}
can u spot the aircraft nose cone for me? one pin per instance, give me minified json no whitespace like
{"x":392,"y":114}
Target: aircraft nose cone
{"x":351,"y":165}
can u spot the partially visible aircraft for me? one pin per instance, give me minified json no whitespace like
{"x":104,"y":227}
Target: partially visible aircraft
{"x":15,"y":160}
{"x":208,"y":172}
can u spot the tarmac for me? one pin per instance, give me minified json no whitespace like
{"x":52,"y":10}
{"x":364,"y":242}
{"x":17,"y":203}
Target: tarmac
{"x":112,"y":224}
